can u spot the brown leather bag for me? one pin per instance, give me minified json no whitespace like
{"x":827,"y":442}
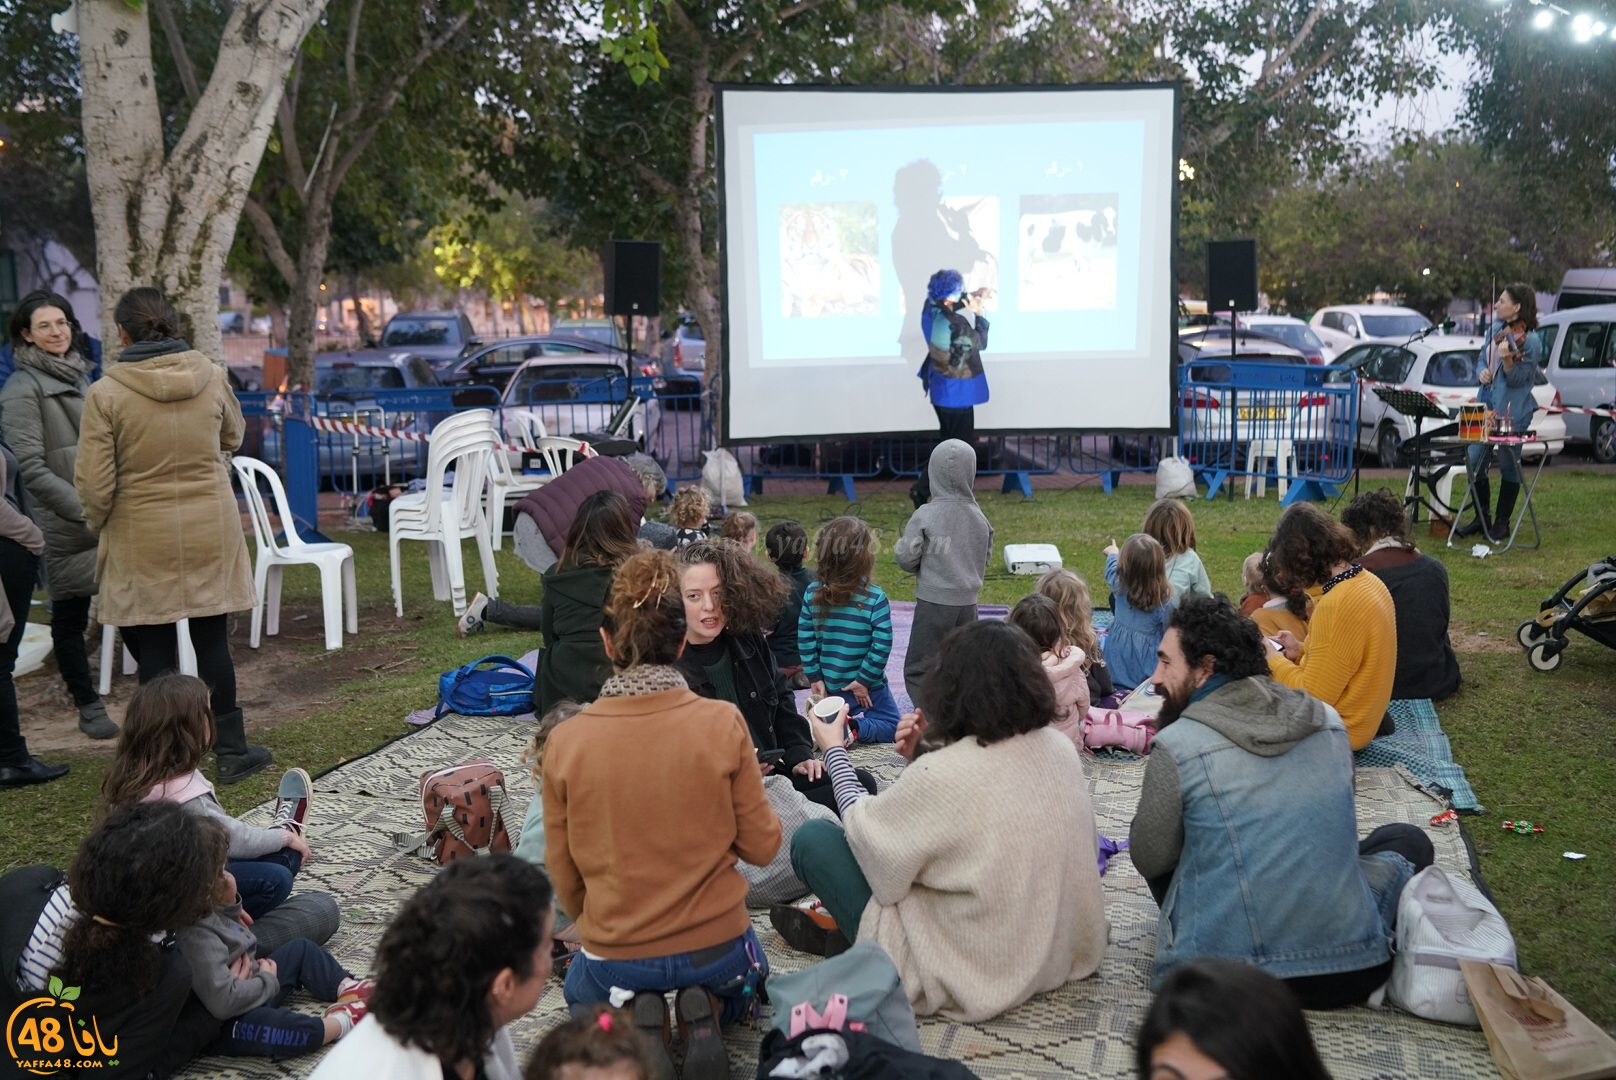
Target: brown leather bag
{"x":465,"y":807}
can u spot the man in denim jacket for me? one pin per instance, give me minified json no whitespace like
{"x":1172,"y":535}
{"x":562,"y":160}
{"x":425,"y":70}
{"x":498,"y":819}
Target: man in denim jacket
{"x":1246,"y":831}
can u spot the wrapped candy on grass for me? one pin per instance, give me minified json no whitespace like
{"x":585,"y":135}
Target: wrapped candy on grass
{"x":1524,"y":828}
{"x":1446,"y":817}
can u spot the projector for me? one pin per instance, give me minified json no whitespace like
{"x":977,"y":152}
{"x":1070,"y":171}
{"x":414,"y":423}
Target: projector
{"x":1031,"y":558}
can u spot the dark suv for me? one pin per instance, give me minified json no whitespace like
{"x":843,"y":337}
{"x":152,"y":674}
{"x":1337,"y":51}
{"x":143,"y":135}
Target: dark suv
{"x":441,"y":338}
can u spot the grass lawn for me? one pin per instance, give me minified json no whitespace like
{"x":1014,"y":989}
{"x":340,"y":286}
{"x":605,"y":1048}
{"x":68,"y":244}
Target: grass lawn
{"x":1535,"y":746}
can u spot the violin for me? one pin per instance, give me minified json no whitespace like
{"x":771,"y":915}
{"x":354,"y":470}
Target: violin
{"x":1512,"y":336}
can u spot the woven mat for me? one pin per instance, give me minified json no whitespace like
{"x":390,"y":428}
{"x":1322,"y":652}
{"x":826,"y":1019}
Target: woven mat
{"x":1085,"y":1029}
{"x":1420,"y":746}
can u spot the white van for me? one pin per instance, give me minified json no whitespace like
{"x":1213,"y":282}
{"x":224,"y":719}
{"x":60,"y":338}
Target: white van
{"x":1582,"y":288}
{"x":1581,"y":347}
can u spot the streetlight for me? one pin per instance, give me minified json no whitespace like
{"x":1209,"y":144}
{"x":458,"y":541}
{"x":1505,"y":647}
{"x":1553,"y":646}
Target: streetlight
{"x":1543,"y":19}
{"x":1426,"y":272}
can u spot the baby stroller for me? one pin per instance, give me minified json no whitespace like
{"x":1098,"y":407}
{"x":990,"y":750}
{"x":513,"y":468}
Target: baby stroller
{"x":1593,"y":612}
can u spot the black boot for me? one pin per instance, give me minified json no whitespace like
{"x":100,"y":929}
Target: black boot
{"x":1499,"y":527}
{"x":236,"y":759}
{"x":1481,"y":500}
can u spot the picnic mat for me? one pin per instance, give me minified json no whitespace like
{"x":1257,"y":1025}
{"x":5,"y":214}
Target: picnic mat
{"x":1420,"y":746}
{"x":1085,"y":1029}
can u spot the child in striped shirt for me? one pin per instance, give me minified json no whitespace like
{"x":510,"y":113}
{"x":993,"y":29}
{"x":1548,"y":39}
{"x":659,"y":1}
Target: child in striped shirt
{"x":844,"y":631}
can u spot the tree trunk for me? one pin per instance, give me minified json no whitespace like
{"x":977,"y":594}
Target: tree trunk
{"x":167,"y":219}
{"x":306,"y":289}
{"x":277,"y":326}
{"x":361,"y":316}
{"x":702,"y":296}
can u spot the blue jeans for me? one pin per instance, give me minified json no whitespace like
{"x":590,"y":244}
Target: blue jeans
{"x":878,"y":723}
{"x":1479,"y":458}
{"x":265,"y":881}
{"x":271,"y":1031}
{"x":733,"y":971}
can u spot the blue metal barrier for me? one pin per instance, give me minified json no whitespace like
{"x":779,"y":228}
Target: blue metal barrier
{"x":1234,"y":416}
{"x":1017,"y":458}
{"x":1109,"y":456}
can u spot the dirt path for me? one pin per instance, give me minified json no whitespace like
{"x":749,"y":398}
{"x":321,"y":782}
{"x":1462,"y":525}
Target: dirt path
{"x":290,"y":677}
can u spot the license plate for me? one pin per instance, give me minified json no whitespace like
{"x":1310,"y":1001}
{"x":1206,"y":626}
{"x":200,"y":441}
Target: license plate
{"x":1263,"y":412}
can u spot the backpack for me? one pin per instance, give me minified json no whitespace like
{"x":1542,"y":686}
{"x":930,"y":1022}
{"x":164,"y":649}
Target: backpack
{"x":504,"y":688}
{"x":858,"y":990}
{"x":1440,"y":921}
{"x":851,"y":1055}
{"x":1118,"y":729}
{"x":465,"y":808}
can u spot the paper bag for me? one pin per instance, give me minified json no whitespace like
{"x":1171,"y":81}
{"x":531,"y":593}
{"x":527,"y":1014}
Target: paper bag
{"x":1533,"y":1032}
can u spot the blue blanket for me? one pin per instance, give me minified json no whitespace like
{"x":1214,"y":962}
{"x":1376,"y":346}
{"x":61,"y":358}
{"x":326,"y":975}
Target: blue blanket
{"x":1420,"y":747}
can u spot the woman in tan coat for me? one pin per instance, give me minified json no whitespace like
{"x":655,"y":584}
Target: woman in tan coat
{"x":153,"y":475}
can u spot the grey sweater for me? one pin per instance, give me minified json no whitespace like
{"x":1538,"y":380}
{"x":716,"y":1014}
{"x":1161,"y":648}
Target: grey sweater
{"x":210,"y":947}
{"x":948,"y":542}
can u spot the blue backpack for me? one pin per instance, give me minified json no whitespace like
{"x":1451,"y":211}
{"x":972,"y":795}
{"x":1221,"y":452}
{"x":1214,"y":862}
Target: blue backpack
{"x":492,"y":686}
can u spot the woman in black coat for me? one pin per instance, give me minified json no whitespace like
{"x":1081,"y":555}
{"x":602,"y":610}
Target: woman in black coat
{"x":573,"y":663}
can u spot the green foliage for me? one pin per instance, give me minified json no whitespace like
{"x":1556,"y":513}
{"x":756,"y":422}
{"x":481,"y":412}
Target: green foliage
{"x":1474,"y":221}
{"x":514,"y":253}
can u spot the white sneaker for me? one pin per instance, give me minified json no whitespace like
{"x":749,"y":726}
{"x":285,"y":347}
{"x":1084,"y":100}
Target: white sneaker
{"x":472,"y":621}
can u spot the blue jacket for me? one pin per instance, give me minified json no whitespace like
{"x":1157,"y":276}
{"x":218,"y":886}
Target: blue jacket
{"x":952,"y":372}
{"x":1511,"y":391}
{"x":1247,"y":803}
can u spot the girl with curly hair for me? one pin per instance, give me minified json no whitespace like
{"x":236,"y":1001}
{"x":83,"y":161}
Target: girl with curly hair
{"x":730,"y":597}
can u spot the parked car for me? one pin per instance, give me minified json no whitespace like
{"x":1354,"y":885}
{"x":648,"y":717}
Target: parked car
{"x":1581,"y":348}
{"x":345,"y":387}
{"x":1344,"y":325}
{"x":232,"y":322}
{"x":1293,"y":332}
{"x":684,"y":349}
{"x":1448,"y":368}
{"x":573,"y":395}
{"x":439,"y":337}
{"x":605,"y":331}
{"x":1585,"y":287}
{"x":493,"y":365}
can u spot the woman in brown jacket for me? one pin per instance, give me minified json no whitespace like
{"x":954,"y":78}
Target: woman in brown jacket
{"x":154,"y":478}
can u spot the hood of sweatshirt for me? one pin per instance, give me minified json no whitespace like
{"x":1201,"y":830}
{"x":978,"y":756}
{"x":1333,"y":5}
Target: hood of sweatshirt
{"x":1259,"y":715}
{"x":172,"y":377}
{"x":1065,"y":672}
{"x":952,"y":470}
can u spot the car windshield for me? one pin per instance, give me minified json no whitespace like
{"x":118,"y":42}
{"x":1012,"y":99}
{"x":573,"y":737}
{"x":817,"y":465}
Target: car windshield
{"x":1454,"y":368}
{"x":604,"y":334}
{"x":422,"y":332}
{"x":1393,"y":325}
{"x":1295,"y":335}
{"x":690,"y":332}
{"x":563,"y":382}
{"x":356,"y":377}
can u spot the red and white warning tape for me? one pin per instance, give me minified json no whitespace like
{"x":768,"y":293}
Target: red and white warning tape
{"x":324,"y":423}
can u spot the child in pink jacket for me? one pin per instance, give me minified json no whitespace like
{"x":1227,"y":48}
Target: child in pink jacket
{"x":1038,"y":616}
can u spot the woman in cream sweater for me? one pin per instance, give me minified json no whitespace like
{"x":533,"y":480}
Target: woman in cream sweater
{"x":995,"y":900}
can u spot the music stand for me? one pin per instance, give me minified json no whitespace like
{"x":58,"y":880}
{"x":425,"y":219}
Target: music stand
{"x":1412,"y":403}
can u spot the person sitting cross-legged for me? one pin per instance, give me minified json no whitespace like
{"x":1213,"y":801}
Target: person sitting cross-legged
{"x":1246,"y":831}
{"x":977,"y":869}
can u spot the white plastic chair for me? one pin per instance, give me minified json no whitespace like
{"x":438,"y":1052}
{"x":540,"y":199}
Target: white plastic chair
{"x":506,"y":485}
{"x":338,"y":591}
{"x":1260,"y":450}
{"x":109,"y":643}
{"x":443,"y":516}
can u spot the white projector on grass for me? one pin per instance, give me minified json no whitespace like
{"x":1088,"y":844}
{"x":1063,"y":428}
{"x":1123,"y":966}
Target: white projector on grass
{"x":1031,"y":558}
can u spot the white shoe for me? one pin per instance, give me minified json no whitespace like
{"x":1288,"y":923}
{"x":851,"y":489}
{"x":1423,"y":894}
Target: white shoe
{"x":472,"y":621}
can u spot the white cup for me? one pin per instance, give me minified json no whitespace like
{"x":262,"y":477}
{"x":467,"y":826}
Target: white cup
{"x":825,"y":712}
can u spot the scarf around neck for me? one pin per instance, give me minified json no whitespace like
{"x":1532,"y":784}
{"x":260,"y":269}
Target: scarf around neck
{"x":69,"y":368}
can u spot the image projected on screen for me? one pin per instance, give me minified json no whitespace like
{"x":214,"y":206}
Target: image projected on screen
{"x":828,"y":260}
{"x":1055,"y":205}
{"x":1068,"y":252}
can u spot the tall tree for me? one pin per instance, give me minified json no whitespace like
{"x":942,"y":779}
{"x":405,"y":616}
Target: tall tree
{"x":514,"y":254}
{"x":165,"y":213}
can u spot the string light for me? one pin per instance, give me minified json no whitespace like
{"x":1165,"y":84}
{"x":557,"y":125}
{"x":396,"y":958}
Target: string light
{"x":1584,"y":27}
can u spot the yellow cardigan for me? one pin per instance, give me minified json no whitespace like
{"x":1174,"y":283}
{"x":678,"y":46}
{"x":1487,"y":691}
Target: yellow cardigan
{"x":1350,"y":657}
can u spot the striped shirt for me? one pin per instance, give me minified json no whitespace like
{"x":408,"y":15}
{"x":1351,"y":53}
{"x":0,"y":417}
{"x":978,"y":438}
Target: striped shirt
{"x":846,"y":643}
{"x":43,"y":953}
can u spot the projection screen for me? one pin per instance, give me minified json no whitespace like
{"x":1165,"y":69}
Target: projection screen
{"x":836,"y":206}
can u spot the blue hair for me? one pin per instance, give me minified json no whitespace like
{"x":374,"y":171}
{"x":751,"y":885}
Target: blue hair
{"x":943,"y":284}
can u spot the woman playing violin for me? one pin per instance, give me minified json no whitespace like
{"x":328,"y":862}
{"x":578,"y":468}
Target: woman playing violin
{"x":1510,"y":357}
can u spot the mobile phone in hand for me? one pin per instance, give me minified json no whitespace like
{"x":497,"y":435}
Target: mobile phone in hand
{"x":776,"y":758}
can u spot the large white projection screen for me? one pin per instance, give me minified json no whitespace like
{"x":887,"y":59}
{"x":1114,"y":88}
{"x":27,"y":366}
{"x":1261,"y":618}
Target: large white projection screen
{"x":838,"y":205}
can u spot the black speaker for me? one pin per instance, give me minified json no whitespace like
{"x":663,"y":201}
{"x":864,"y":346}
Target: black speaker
{"x":1231,"y":275}
{"x":633,"y":277}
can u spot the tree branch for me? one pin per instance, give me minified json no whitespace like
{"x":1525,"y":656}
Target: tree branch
{"x":654,"y":179}
{"x":1296,"y":42}
{"x":348,"y":63}
{"x":742,"y":51}
{"x":270,"y":239}
{"x":176,"y":46}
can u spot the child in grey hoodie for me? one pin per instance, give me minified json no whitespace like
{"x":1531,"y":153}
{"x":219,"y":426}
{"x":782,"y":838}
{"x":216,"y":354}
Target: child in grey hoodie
{"x":946,"y":544}
{"x":246,"y":991}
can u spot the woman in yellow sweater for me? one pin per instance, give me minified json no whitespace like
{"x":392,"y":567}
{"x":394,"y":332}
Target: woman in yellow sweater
{"x":1350,"y":657}
{"x":651,"y":794}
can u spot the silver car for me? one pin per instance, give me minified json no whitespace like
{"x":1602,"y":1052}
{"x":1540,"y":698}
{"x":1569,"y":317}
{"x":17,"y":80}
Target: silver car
{"x":1581,"y":346}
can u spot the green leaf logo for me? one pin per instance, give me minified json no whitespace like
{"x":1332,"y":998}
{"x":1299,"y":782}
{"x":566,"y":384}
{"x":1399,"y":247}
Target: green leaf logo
{"x":70,"y":993}
{"x":55,"y":987}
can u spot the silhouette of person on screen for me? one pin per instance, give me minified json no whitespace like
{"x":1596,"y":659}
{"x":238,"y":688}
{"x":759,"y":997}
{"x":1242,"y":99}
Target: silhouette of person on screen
{"x":928,"y":234}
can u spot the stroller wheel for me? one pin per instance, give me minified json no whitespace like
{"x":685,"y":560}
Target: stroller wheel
{"x":1545,"y":655}
{"x":1530,"y":633}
